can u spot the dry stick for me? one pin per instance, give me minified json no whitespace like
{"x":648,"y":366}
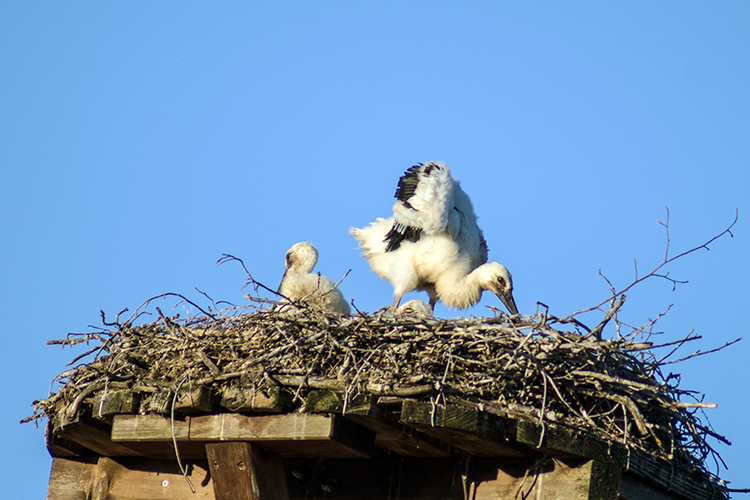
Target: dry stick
{"x":701,"y":353}
{"x":597,"y":331}
{"x":225,"y":257}
{"x":664,"y":263}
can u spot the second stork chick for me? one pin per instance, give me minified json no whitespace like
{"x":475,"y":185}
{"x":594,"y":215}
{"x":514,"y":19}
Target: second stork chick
{"x":300,"y":283}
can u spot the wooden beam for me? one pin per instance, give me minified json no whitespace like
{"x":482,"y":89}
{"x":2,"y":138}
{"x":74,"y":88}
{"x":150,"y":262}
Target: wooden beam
{"x":61,"y":447}
{"x":541,"y":478}
{"x":362,"y":409}
{"x":254,"y":400}
{"x":151,"y":436}
{"x":112,"y":403}
{"x":195,"y":400}
{"x":244,"y":471}
{"x":126,"y":479}
{"x":291,"y":434}
{"x":562,"y":443}
{"x":479,"y":433}
{"x":91,"y":434}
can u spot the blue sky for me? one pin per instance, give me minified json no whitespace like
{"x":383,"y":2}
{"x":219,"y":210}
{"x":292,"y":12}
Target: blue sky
{"x":140,"y":141}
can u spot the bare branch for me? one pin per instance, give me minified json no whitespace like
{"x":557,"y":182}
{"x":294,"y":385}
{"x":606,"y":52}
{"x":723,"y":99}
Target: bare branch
{"x":667,"y":260}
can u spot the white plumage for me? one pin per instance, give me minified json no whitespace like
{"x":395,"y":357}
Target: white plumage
{"x":415,"y":307}
{"x":433,"y":243}
{"x":300,"y":283}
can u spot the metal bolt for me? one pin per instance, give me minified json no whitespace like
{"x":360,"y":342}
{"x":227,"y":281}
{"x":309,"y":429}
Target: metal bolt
{"x":165,"y":483}
{"x":330,"y":487}
{"x":241,"y":466}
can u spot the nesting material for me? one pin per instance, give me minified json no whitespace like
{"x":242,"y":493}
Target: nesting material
{"x":527,"y":366}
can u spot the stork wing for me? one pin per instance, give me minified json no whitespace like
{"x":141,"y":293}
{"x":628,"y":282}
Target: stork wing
{"x":424,"y":204}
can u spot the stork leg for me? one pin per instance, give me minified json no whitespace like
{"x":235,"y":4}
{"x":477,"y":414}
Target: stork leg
{"x":396,"y":302}
{"x":433,"y":301}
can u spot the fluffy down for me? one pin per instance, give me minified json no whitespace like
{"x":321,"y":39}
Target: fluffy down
{"x":301,"y":284}
{"x":432,"y":243}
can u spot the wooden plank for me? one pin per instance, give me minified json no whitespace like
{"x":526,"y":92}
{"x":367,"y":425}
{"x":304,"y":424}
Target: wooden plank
{"x":91,"y":434}
{"x":244,"y":471}
{"x":558,"y":443}
{"x":541,"y":478}
{"x":362,"y":409}
{"x":254,"y":400}
{"x":151,"y":436}
{"x":137,"y":428}
{"x":478,"y":433}
{"x":126,"y":479}
{"x":289,"y":434}
{"x":561,"y":443}
{"x":292,"y":434}
{"x":60,"y":447}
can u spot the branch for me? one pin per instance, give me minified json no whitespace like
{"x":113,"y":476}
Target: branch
{"x":667,"y":260}
{"x":225,"y":257}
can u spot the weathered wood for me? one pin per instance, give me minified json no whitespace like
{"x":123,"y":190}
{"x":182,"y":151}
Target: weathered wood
{"x":152,"y":436}
{"x":254,"y":400}
{"x":557,"y":442}
{"x":195,"y":400}
{"x":293,"y":434}
{"x":137,"y":428}
{"x":126,"y":479}
{"x":112,"y":403}
{"x":542,"y":478}
{"x":478,"y":433}
{"x":61,"y":447}
{"x":91,"y":434}
{"x":289,"y":434}
{"x":561,"y":443}
{"x":160,"y":402}
{"x":633,"y":487}
{"x":244,"y":471}
{"x":362,"y":409}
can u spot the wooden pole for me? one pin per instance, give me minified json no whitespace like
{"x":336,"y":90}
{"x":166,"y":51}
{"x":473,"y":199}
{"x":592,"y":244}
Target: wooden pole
{"x":245,"y":471}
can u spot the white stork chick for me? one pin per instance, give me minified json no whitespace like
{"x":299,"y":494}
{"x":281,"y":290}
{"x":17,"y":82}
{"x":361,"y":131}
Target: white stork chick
{"x":415,"y":307}
{"x":300,"y":283}
{"x":432,"y":243}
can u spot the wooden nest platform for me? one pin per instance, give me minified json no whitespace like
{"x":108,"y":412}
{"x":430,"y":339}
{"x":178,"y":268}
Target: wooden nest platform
{"x":319,"y":405}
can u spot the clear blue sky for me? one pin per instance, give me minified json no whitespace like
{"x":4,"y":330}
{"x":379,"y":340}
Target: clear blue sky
{"x":139,"y":141}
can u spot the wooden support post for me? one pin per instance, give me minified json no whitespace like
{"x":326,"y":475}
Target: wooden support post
{"x":244,"y":471}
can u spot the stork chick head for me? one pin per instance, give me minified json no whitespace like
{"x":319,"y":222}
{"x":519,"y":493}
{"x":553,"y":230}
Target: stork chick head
{"x":301,"y":258}
{"x":497,"y":279}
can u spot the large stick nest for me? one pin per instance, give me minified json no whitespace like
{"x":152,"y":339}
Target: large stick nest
{"x":529,"y":366}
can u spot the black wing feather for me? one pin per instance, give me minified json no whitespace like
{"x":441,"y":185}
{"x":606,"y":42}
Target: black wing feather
{"x":407,"y":186}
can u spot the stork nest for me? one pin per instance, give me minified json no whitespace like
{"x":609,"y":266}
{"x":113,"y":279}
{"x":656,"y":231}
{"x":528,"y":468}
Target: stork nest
{"x":534,"y":367}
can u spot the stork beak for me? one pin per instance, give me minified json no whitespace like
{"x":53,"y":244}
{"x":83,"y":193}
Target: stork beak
{"x":509,"y":301}
{"x":278,"y":288}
